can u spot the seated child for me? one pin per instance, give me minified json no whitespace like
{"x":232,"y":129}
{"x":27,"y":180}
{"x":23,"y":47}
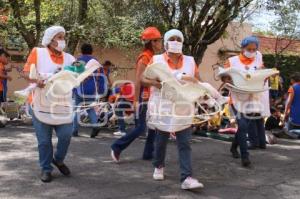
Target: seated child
{"x":273,"y":123}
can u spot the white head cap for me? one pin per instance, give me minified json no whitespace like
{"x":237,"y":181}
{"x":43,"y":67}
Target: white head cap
{"x":50,"y":34}
{"x":172,"y":33}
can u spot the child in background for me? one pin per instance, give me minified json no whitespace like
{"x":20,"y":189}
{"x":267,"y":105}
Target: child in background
{"x":273,"y":123}
{"x":124,"y":106}
{"x":4,"y":58}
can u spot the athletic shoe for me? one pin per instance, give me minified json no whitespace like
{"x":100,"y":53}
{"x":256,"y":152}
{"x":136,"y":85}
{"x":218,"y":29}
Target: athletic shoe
{"x":95,"y":132}
{"x":158,"y":174}
{"x":246,"y":162}
{"x":119,"y":133}
{"x":62,"y":168}
{"x":191,"y":183}
{"x":46,"y":177}
{"x":115,"y":156}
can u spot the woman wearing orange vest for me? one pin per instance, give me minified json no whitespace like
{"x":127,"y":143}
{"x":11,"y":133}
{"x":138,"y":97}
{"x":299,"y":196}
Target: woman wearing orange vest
{"x":184,"y":69}
{"x":49,"y":60}
{"x":152,"y":44}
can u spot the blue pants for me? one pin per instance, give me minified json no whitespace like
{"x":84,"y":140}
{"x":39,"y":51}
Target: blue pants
{"x":251,"y":127}
{"x":274,"y":94}
{"x":256,"y":133}
{"x":91,"y":113}
{"x":184,"y":151}
{"x":241,"y":134}
{"x":121,"y":107}
{"x":149,"y":145}
{"x":122,"y":143}
{"x":44,"y":137}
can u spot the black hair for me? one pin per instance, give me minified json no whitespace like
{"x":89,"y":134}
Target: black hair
{"x":296,"y":77}
{"x":107,"y":63}
{"x":2,"y":51}
{"x":273,"y":110}
{"x":148,"y":46}
{"x":86,"y":49}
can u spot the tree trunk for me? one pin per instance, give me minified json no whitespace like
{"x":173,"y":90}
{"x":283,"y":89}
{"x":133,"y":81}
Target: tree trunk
{"x":38,"y":27}
{"x":82,"y":14}
{"x":198,"y":53}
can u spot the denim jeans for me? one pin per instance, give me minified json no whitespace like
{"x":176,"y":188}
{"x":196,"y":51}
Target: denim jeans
{"x":256,"y":133}
{"x":184,"y":151}
{"x":91,"y":113}
{"x":44,"y":137}
{"x":149,"y":145}
{"x":140,"y":127}
{"x":241,"y":134}
{"x":120,"y":109}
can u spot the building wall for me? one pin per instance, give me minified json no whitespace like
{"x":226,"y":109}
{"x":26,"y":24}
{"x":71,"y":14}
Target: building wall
{"x":125,"y":59}
{"x":268,"y":45}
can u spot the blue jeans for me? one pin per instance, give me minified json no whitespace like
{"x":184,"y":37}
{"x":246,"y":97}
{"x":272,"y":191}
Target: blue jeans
{"x":241,"y":134}
{"x":256,"y":132}
{"x":184,"y":151}
{"x":122,"y":143}
{"x":274,"y":94}
{"x":149,"y":145}
{"x":44,"y":137}
{"x":91,"y":113}
{"x":121,"y":107}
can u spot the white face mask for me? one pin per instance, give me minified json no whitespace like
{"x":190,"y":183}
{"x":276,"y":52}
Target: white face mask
{"x":61,"y":44}
{"x":175,"y":47}
{"x":250,"y":54}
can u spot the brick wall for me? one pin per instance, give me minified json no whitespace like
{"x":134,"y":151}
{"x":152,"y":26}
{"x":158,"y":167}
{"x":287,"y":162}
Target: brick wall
{"x":268,"y":45}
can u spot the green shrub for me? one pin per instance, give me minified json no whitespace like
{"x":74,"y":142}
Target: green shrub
{"x":288,"y":64}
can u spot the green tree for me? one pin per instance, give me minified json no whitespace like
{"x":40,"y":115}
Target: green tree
{"x":285,"y":26}
{"x":202,"y":21}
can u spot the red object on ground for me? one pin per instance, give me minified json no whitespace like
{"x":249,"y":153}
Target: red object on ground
{"x":228,"y":131}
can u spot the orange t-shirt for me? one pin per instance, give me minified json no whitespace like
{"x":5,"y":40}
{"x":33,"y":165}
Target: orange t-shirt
{"x":245,"y":60}
{"x":144,"y":59}
{"x":32,"y":59}
{"x":2,"y":68}
{"x":291,"y":89}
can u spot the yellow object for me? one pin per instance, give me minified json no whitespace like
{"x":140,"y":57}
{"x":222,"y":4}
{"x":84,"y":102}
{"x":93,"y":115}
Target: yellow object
{"x":226,"y":110}
{"x":274,"y":82}
{"x":216,"y":120}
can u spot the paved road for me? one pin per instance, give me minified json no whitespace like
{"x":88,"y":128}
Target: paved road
{"x":276,"y":173}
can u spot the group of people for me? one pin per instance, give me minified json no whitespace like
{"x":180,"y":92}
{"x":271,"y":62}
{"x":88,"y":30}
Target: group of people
{"x":138,"y":97}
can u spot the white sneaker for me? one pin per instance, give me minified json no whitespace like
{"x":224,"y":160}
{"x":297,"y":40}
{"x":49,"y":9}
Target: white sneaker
{"x":115,"y":156}
{"x":119,"y":133}
{"x":191,"y":183}
{"x":158,"y":174}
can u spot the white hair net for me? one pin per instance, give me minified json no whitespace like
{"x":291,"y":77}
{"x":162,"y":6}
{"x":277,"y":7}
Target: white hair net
{"x":172,"y":33}
{"x":50,"y":34}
